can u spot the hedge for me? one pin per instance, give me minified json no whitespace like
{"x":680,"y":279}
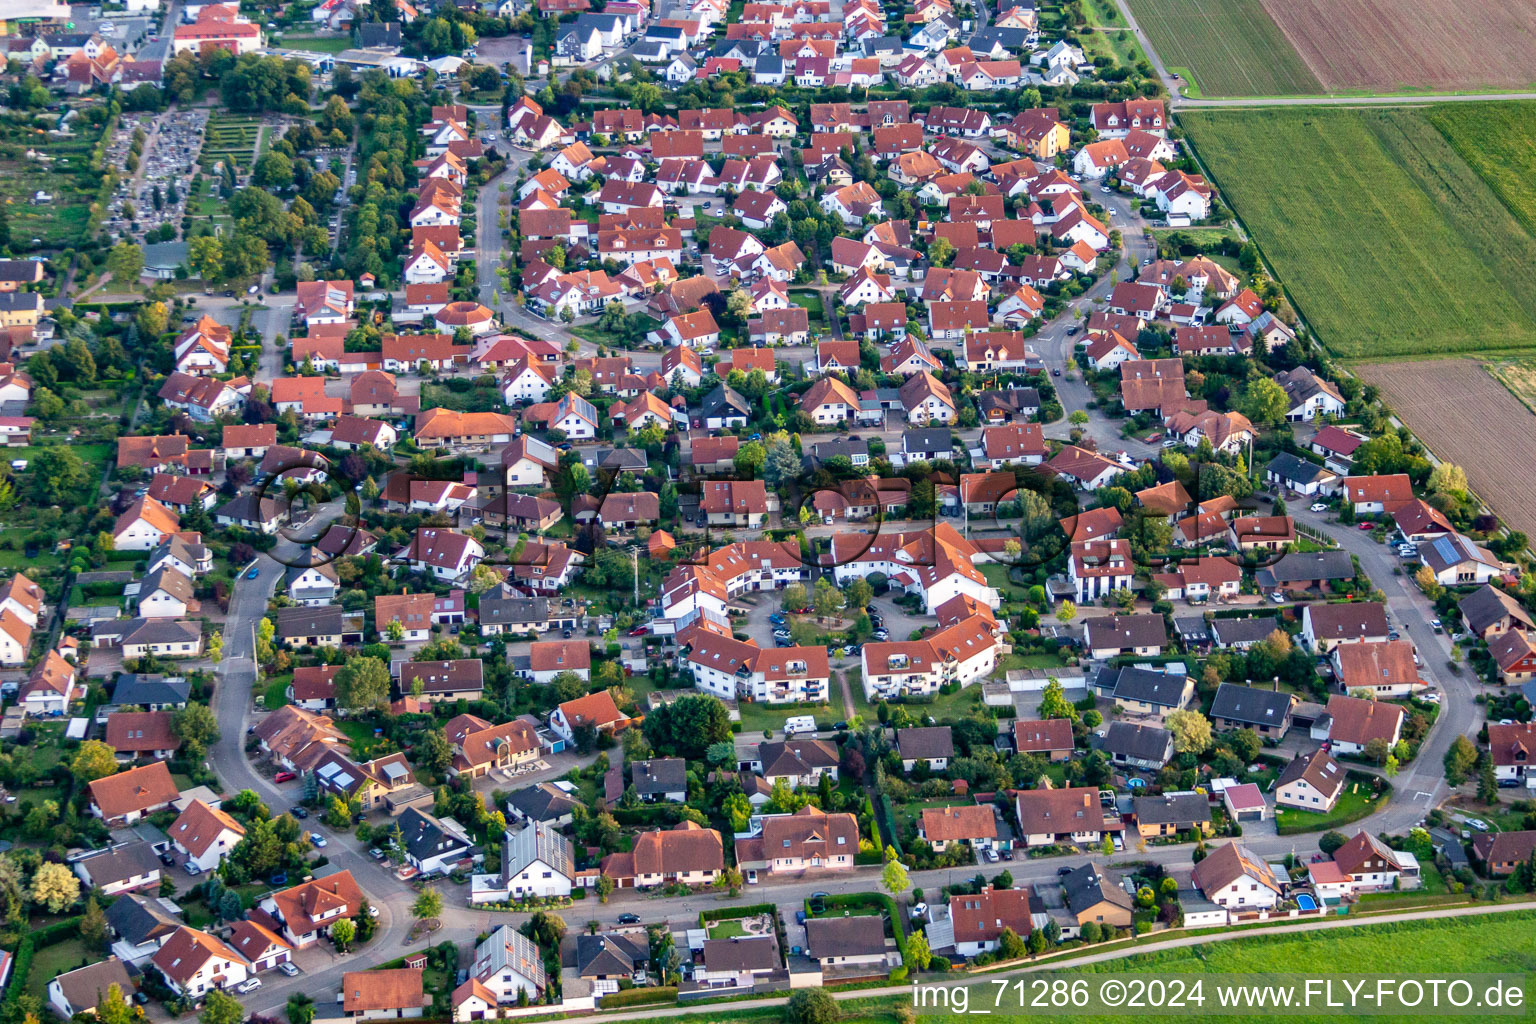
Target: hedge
{"x":888,"y":820}
{"x":871,"y":899}
{"x":731,"y":913}
{"x":20,"y":970}
{"x":640,"y":996}
{"x":59,"y":931}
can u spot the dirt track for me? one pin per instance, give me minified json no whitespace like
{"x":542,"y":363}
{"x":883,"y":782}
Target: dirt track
{"x":1389,"y":45}
{"x":1465,"y":416}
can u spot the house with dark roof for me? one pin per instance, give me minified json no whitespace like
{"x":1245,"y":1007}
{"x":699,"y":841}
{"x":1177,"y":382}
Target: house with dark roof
{"x":1148,"y":692}
{"x":121,"y":867}
{"x":661,"y":778}
{"x":1094,"y":894}
{"x":1113,"y":635}
{"x":544,"y":803}
{"x":846,"y":942}
{"x":1170,"y":814}
{"x":931,"y":745}
{"x":1138,"y":745}
{"x":1266,"y":712}
{"x":610,"y":958}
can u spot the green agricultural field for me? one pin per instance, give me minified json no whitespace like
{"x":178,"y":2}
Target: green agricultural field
{"x":58,"y":166}
{"x":1492,"y":944}
{"x":1229,"y":47}
{"x":1390,"y":243}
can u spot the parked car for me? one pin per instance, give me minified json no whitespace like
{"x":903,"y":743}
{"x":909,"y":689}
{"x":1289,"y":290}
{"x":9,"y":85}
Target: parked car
{"x":317,"y":839}
{"x":255,"y":571}
{"x":629,"y":919}
{"x":1319,"y":506}
{"x":1367,"y":526}
{"x":1435,"y":625}
{"x":288,"y":968}
{"x":248,"y":985}
{"x":18,"y":464}
{"x":376,"y":853}
{"x":284,"y":777}
{"x":299,"y":812}
{"x":1478,"y":823}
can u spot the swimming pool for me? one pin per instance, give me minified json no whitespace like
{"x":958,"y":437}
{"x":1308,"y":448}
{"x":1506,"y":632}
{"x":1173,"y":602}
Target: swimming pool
{"x":1305,"y":901}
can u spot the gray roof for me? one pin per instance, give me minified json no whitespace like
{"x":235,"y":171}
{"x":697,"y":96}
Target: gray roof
{"x":1172,"y":809}
{"x":1294,"y":469}
{"x":309,"y":621}
{"x":1149,"y":686}
{"x":140,"y":688}
{"x":543,"y":802}
{"x":507,"y":610}
{"x":611,"y":953}
{"x":537,"y":843}
{"x":1144,"y":630}
{"x":840,"y":446}
{"x":1300,"y":567}
{"x":741,"y":954}
{"x":1250,"y":705}
{"x":1192,"y":628}
{"x":120,"y":863}
{"x":374,"y":34}
{"x":1087,"y":885}
{"x":927,"y":439}
{"x":620,"y":460}
{"x":660,"y":775}
{"x":137,"y":919}
{"x":166,"y":255}
{"x":725,"y":397}
{"x":843,"y":936}
{"x":882,"y":44}
{"x":1012,"y":39}
{"x":425,"y":836}
{"x":1137,"y":742}
{"x":934,"y":741}
{"x":1243,"y":631}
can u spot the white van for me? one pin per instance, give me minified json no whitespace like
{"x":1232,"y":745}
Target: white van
{"x":799,"y":723}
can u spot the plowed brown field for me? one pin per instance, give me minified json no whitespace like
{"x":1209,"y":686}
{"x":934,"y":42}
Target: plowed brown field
{"x":1467,"y":417}
{"x":1390,"y":45}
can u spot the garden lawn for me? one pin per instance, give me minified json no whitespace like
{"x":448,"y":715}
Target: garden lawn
{"x":729,"y":929}
{"x":756,"y":717}
{"x":1388,"y":240}
{"x":317,"y":44}
{"x":1229,"y":47}
{"x":54,"y":960}
{"x":1352,"y":806}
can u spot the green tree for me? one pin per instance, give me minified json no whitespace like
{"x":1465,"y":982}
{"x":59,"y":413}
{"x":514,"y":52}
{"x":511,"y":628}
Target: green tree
{"x":342,"y":933}
{"x":94,"y":760}
{"x":1191,"y":731}
{"x":126,"y":263}
{"x":205,"y":257}
{"x":58,"y":473}
{"x":1487,"y":782}
{"x":153,"y":318}
{"x":604,"y":888}
{"x":93,"y":925}
{"x":1054,"y":703}
{"x":919,"y":954}
{"x":1266,"y":402}
{"x":1066,"y":612}
{"x":219,"y":1008}
{"x":55,"y":887}
{"x":828,"y":600}
{"x":1460,"y":759}
{"x":428,"y":904}
{"x":859,"y":593}
{"x":750,"y":458}
{"x":434,"y":752}
{"x":196,"y":723}
{"x":893,"y":877}
{"x":362,"y":684}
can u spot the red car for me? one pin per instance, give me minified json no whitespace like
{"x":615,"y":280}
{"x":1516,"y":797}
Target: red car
{"x":284,"y":777}
{"x":640,"y":631}
{"x":1367,"y":526}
